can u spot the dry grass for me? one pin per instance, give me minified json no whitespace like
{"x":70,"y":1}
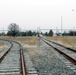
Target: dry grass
{"x":0,"y":44}
{"x":66,"y":40}
{"x":25,"y":40}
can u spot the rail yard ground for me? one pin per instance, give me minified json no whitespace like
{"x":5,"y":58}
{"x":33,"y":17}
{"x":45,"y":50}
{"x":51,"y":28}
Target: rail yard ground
{"x":44,"y":58}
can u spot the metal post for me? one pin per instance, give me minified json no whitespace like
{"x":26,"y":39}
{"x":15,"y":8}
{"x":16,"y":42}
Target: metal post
{"x":3,"y":37}
{"x":56,"y":36}
{"x":73,"y":31}
{"x":61,"y":24}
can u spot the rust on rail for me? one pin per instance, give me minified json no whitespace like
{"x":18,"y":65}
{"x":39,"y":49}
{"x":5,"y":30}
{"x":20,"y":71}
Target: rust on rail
{"x":65,"y":55}
{"x":2,"y":57}
{"x":23,"y":66}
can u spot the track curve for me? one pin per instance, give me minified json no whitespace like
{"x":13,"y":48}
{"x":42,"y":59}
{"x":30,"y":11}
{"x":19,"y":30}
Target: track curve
{"x":12,"y":62}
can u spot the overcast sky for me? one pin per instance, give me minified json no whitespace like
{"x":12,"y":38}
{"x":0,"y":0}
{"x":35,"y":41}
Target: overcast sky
{"x":30,"y":14}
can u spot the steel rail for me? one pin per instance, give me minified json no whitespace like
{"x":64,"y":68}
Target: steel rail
{"x":65,"y":55}
{"x":22,"y":61}
{"x":64,"y":46}
{"x":61,"y":45}
{"x":23,"y":69}
{"x":3,"y":56}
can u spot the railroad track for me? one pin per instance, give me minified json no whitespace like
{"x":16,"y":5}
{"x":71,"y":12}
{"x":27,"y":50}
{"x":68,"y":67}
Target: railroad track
{"x":12,"y":60}
{"x":68,"y":53}
{"x":5,"y":51}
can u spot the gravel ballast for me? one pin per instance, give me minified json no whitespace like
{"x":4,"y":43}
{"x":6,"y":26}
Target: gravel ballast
{"x":45,"y":60}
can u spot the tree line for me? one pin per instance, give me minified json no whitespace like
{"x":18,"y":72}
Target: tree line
{"x":14,"y":30}
{"x":70,"y":33}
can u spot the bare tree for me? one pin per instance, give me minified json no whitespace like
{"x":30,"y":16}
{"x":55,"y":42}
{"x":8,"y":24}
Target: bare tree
{"x":13,"y":29}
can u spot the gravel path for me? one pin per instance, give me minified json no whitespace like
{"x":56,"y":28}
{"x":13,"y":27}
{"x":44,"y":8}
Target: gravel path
{"x":45,"y":60}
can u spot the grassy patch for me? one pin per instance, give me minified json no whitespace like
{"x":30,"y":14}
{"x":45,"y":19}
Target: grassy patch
{"x":66,"y":40}
{"x":25,"y":40}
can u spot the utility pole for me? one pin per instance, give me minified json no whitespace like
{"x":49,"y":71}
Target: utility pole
{"x":3,"y":37}
{"x":61,"y":24}
{"x":73,"y":27}
{"x":73,"y":31}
